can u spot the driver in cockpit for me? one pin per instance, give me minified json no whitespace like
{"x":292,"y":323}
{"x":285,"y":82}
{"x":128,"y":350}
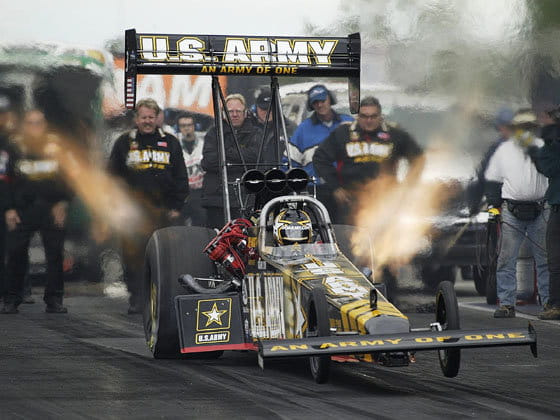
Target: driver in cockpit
{"x":292,"y":226}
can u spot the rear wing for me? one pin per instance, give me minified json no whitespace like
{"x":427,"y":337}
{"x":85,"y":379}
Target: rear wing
{"x":223,"y":55}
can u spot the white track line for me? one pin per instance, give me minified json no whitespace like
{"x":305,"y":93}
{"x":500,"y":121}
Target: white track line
{"x":517,"y":313}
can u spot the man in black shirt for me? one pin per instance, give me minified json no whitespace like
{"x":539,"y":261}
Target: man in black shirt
{"x":359,"y":151}
{"x":151,"y":162}
{"x":37,"y":201}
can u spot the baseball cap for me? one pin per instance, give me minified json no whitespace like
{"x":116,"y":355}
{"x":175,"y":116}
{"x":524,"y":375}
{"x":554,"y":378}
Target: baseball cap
{"x":5,"y":104}
{"x":264,"y":99}
{"x":317,"y":93}
{"x":524,"y":117}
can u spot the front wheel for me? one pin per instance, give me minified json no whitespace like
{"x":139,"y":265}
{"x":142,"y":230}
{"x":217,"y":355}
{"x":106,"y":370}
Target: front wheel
{"x":318,"y":326}
{"x":447,"y":315}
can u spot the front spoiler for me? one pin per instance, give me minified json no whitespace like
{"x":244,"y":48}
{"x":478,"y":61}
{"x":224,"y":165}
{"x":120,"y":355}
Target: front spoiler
{"x":387,"y":343}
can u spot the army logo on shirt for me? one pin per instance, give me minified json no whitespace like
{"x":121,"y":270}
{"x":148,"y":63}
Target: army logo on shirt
{"x":362,"y":151}
{"x":148,"y":158}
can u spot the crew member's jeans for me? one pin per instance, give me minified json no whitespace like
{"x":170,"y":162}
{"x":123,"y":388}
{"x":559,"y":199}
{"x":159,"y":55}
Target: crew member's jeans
{"x":553,"y":248}
{"x":513,"y":234}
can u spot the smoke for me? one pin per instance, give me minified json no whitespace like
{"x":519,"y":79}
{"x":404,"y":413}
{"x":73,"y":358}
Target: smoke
{"x":113,"y":209}
{"x":398,"y":216}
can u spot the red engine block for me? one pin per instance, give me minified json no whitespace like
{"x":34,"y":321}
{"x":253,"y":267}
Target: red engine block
{"x":229,"y":247}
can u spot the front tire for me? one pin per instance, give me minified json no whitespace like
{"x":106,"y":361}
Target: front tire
{"x":318,"y":325}
{"x":170,"y":252}
{"x":447,"y":314}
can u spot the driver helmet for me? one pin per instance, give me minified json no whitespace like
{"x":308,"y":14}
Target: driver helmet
{"x":292,"y":226}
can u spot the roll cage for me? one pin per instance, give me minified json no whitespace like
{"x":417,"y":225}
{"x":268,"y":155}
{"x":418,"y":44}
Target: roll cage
{"x":222,"y":55}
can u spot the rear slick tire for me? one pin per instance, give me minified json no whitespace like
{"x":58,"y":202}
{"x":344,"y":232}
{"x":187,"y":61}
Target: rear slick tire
{"x":170,"y":252}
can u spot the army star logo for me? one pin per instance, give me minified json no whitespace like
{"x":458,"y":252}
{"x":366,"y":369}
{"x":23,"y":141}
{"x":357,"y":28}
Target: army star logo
{"x":214,"y":315}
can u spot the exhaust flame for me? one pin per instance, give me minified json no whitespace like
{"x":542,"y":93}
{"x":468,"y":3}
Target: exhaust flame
{"x":111,"y":205}
{"x":398,"y":216}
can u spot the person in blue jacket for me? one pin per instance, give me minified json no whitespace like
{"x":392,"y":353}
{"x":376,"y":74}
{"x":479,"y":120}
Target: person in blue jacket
{"x":312,"y":132}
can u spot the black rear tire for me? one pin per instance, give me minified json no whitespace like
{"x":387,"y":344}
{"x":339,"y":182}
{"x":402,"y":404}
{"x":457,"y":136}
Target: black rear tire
{"x":170,"y":252}
{"x":318,"y":325}
{"x":447,"y":314}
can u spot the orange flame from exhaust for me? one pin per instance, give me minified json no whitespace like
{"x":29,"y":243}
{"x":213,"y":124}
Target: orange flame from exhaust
{"x":108,"y":200}
{"x":397,"y":216}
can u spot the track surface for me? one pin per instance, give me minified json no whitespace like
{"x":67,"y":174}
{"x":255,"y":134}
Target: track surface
{"x":93,"y":364}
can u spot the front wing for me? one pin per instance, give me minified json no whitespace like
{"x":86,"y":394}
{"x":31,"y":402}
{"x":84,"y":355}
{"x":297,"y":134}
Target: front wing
{"x":387,"y":343}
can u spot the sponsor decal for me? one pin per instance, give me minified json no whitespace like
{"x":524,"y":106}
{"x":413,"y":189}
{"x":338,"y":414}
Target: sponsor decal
{"x":38,"y":169}
{"x":374,"y":151}
{"x":148,"y":158}
{"x":241,"y":55}
{"x":214,"y":337}
{"x":213,"y":314}
{"x":321,"y":268}
{"x":344,"y":286}
{"x":394,"y":341}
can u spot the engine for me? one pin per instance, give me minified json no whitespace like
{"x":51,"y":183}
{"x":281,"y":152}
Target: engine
{"x":230,"y":249}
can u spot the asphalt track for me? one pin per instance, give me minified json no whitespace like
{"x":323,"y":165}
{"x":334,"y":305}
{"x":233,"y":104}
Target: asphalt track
{"x":93,"y":364}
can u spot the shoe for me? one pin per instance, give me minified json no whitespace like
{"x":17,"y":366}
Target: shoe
{"x":547,"y":306}
{"x":505,"y":311}
{"x":552,"y":312}
{"x":9,"y":308}
{"x":28,"y":299}
{"x":55,"y":308}
{"x":134,"y":309}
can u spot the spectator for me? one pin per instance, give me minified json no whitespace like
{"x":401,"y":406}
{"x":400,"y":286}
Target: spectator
{"x":502,"y":123}
{"x":39,"y":199}
{"x":248,"y":136}
{"x":192,"y":146}
{"x":6,"y":175}
{"x":270,"y":148}
{"x":547,"y":160}
{"x":151,"y":162}
{"x":311,"y":133}
{"x":361,"y":151}
{"x":516,"y":191}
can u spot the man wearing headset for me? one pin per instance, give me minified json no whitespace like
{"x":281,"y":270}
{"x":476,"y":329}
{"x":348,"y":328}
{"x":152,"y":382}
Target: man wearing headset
{"x":312,"y":132}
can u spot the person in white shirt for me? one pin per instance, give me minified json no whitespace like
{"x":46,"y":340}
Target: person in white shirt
{"x":192,"y":146}
{"x":516,"y":192}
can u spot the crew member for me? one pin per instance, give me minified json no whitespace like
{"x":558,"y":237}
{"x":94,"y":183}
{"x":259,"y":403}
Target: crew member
{"x":241,"y":142}
{"x":151,"y":162}
{"x":192,"y":146}
{"x":39,"y":203}
{"x":357,"y":152}
{"x":516,"y":191}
